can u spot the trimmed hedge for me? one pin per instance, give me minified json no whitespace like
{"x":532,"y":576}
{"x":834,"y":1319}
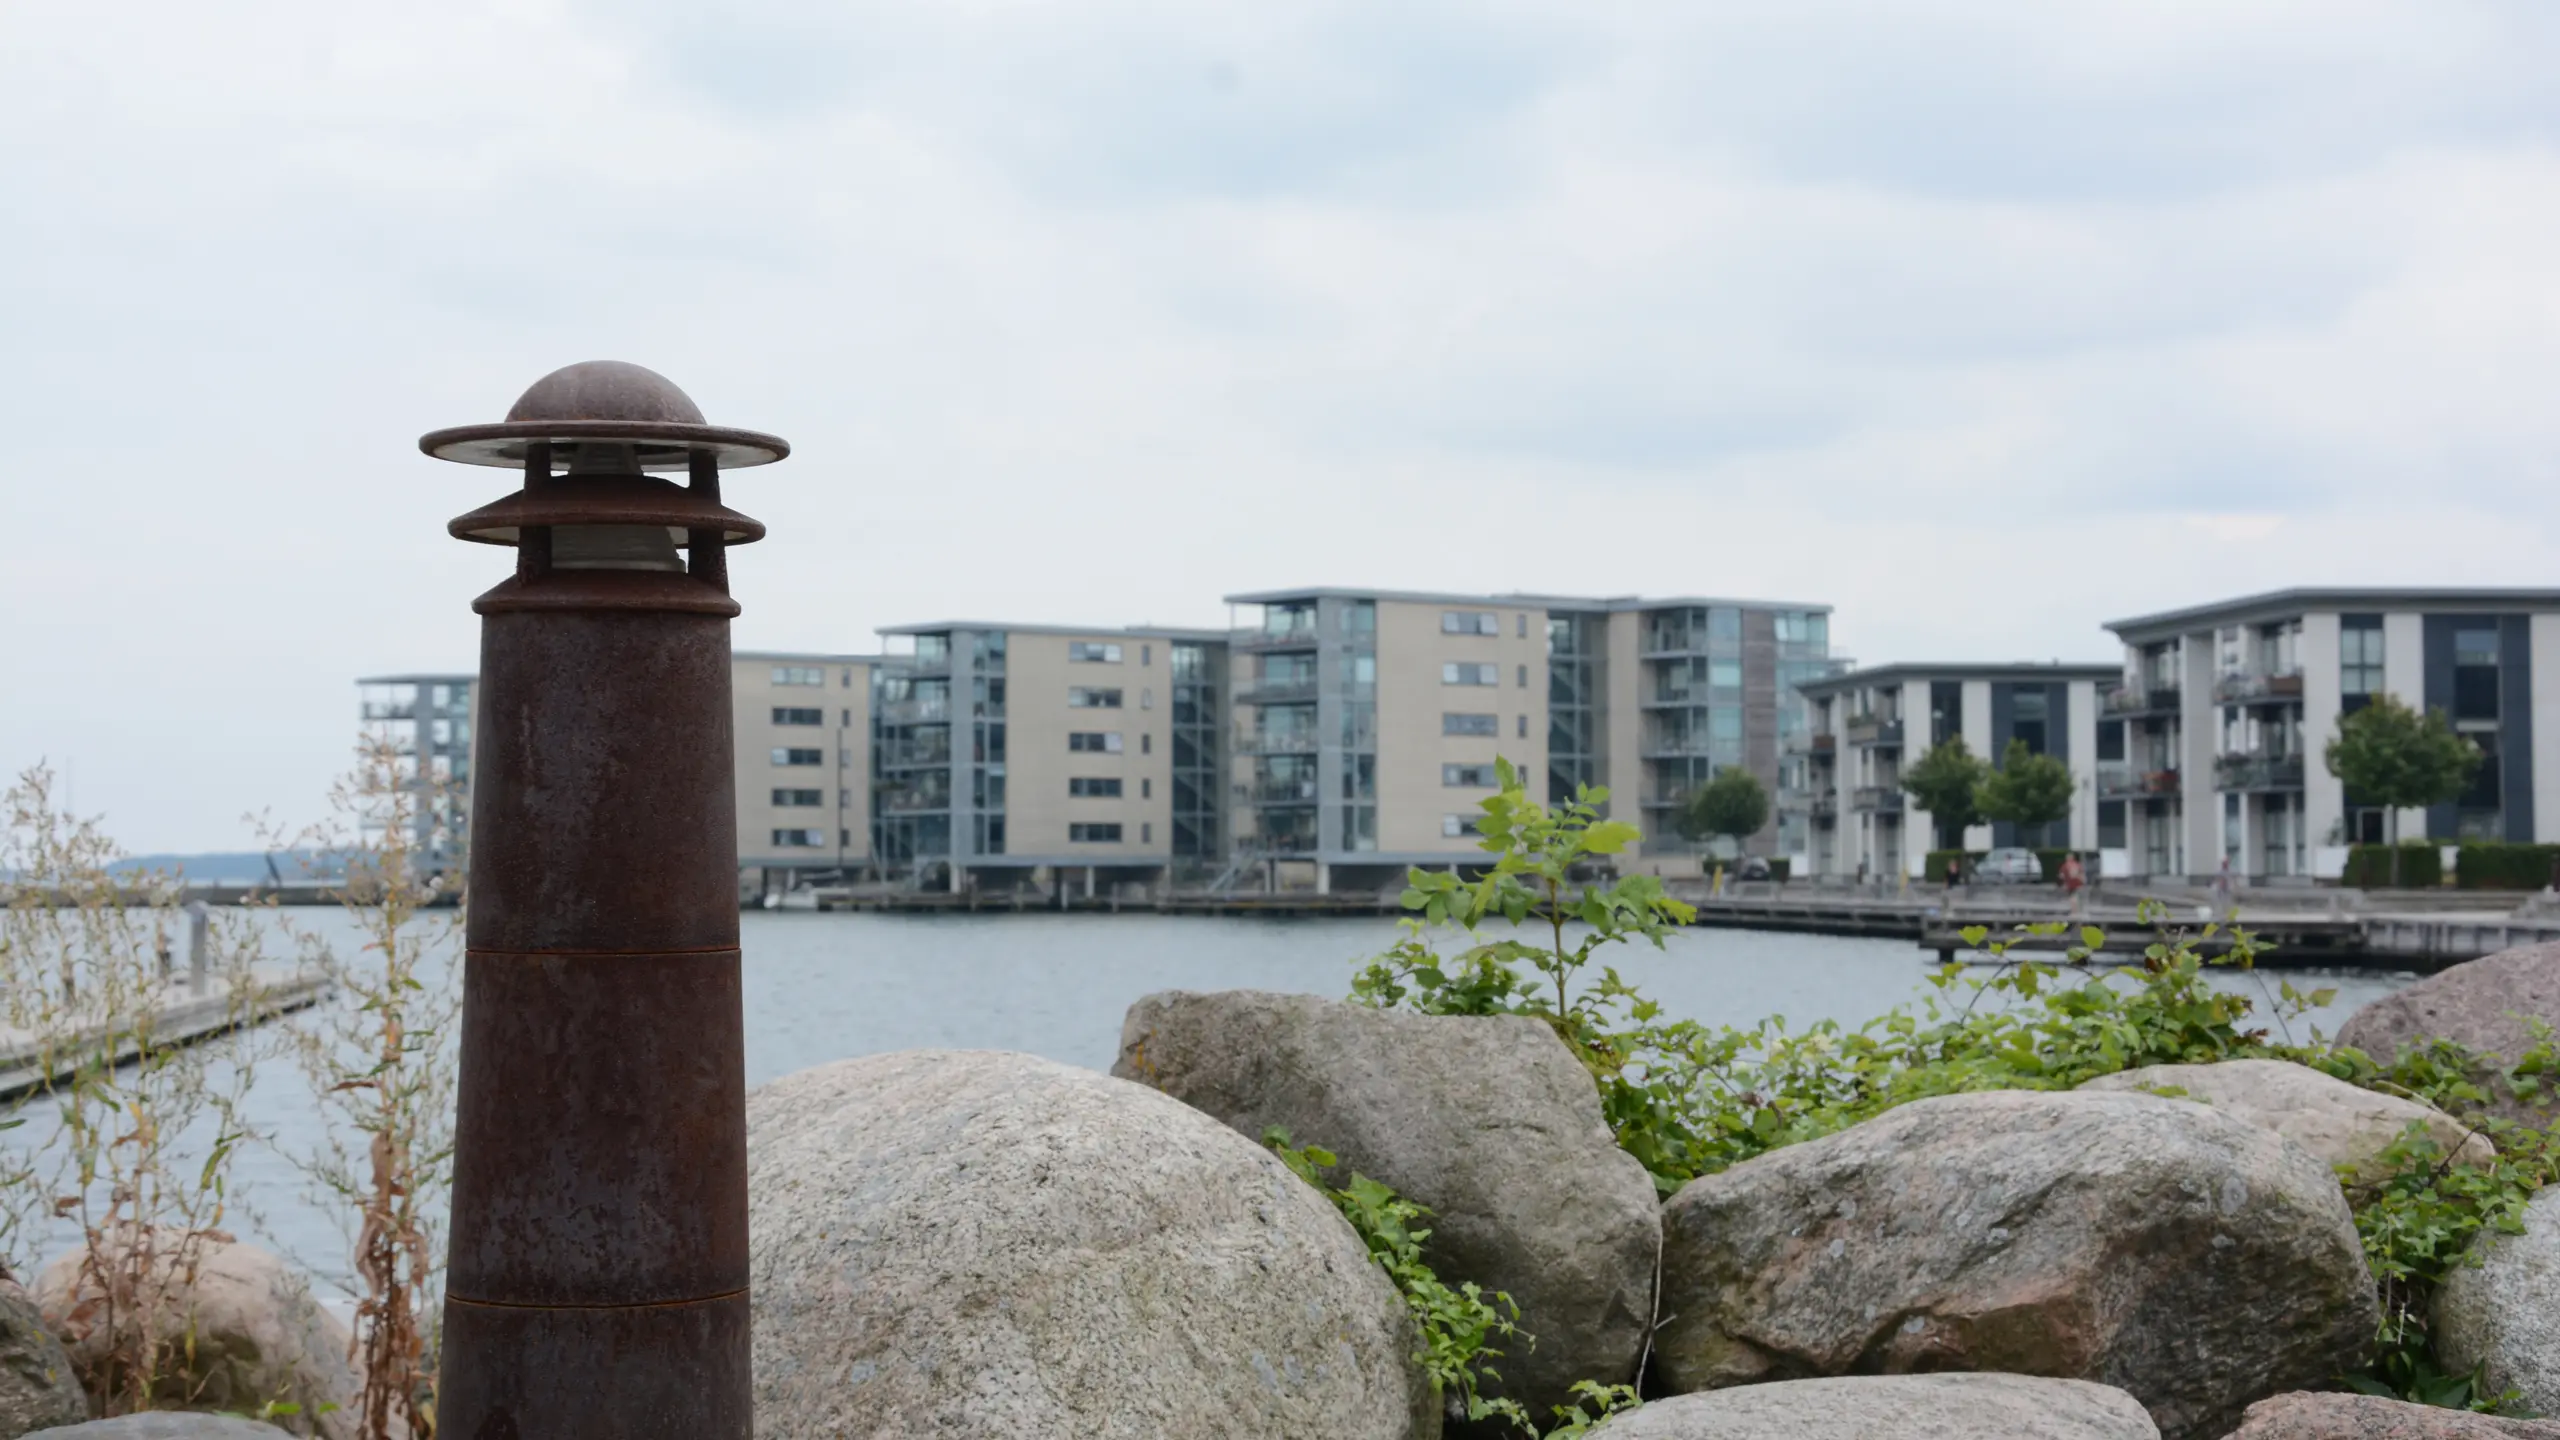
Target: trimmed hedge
{"x":2369,"y":866}
{"x":1778,"y":867}
{"x":2496,"y":865}
{"x":1934,"y":869}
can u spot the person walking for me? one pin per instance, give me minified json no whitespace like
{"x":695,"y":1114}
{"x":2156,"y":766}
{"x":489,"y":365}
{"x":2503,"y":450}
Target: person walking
{"x":1955,"y":874}
{"x":2073,"y":877}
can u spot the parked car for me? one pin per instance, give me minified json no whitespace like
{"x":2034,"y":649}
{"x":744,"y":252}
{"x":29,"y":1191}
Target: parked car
{"x":2009,"y":865}
{"x":1751,"y":867}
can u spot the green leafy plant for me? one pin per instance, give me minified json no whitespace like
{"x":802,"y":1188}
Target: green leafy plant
{"x":1732,"y":805}
{"x":1457,"y":1325}
{"x":2029,"y":791}
{"x":1947,"y":782}
{"x":2388,"y":754}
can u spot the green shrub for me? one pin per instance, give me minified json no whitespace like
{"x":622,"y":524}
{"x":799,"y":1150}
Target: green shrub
{"x":2369,"y":866}
{"x":1778,"y":868}
{"x":1934,"y":869}
{"x":1686,"y":1099}
{"x":2493,"y":865}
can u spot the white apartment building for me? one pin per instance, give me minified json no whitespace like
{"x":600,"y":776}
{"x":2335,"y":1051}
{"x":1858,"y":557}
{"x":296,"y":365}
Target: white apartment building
{"x":1367,"y":723}
{"x":2226,"y":710}
{"x":1863,"y":728}
{"x":802,"y":728}
{"x":1081,"y":756}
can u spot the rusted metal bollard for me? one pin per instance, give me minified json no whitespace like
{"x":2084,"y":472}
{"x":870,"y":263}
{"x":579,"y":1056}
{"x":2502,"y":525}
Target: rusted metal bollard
{"x":598,"y":1277}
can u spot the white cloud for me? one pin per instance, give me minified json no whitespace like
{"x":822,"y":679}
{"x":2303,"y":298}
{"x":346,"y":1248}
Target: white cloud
{"x":1984,"y":323}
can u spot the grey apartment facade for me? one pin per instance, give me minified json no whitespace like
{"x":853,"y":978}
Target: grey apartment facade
{"x":2226,"y":709}
{"x":1366,"y":724}
{"x":1005,"y":754}
{"x":425,"y":722}
{"x":1864,"y":728}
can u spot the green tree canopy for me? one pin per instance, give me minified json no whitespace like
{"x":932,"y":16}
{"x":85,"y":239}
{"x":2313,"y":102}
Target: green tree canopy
{"x":2388,"y":754}
{"x":1734,"y":803}
{"x":1947,"y":782}
{"x":2027,"y":789}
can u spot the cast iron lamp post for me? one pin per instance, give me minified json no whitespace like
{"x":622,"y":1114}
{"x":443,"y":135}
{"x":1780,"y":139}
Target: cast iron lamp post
{"x":597,"y":1284}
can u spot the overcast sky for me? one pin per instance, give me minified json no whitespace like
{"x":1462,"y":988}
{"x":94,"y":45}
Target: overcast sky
{"x":1984,"y":322}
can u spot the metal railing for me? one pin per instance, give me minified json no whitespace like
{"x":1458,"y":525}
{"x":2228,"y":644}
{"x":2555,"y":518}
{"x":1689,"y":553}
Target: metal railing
{"x":916,"y":712}
{"x":2240,"y":689}
{"x":1882,"y":799}
{"x":1287,"y":690}
{"x":2117,"y":779}
{"x":1276,"y":742}
{"x":391,"y":710}
{"x":2257,"y":772}
{"x":2132,"y":700}
{"x":1874,"y":730}
{"x":1288,"y":637}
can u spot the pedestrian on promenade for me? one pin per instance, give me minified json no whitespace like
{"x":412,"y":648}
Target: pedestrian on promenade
{"x":2073,"y":877}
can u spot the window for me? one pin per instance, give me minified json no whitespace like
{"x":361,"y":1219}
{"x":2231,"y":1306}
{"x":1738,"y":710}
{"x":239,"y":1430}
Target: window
{"x":1146,"y":654}
{"x":2029,"y":710}
{"x":1470,"y":622}
{"x":1468,"y":777}
{"x":2360,"y":654}
{"x":799,"y":757}
{"x":1093,"y":834}
{"x":1146,"y":789}
{"x":1524,"y":725}
{"x":1147,"y":744}
{"x":1147,"y":698}
{"x":1360,"y":617}
{"x":1524,"y":677}
{"x":1094,"y":742}
{"x":799,"y":797}
{"x":1092,"y":652}
{"x":1724,"y":674}
{"x":2475,"y":674}
{"x":1524,"y":626}
{"x":1094,"y":787}
{"x":1457,"y":723}
{"x":1086,"y":697}
{"x":844,"y":799}
{"x":1462,"y":672}
{"x":2111,"y":743}
{"x":1454,"y":826}
{"x":799,"y":715}
{"x":799,"y":675}
{"x":799,"y":839}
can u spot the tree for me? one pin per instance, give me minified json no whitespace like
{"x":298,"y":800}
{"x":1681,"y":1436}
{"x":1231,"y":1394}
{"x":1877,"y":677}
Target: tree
{"x":1733,"y":803}
{"x":2394,"y":757}
{"x":2028,"y":789}
{"x":1947,"y":782}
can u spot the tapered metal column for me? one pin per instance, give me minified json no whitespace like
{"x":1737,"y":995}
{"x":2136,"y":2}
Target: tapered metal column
{"x":598,"y":1275}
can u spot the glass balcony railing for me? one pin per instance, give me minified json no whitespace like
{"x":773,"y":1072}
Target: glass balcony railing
{"x":1275,"y":637}
{"x":2257,"y":772}
{"x":1874,"y":730}
{"x":2243,"y":689}
{"x":1881,"y":799}
{"x":1281,"y":792}
{"x":2121,"y":779}
{"x":1276,"y":690}
{"x":917,"y":712}
{"x":1276,"y":742}
{"x":2129,"y":700}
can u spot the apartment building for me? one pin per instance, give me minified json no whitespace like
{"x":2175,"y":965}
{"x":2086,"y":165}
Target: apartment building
{"x":1367,"y":723}
{"x":802,"y":728}
{"x":426,"y":721}
{"x":2226,"y":709}
{"x":1861,"y":728}
{"x":1005,"y":753}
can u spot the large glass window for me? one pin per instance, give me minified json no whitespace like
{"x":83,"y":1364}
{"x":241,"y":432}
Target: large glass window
{"x":1092,"y":652}
{"x":1470,"y":622}
{"x":2475,"y":674}
{"x":2030,"y":718}
{"x":2360,"y":655}
{"x":1458,"y":723}
{"x":1462,"y":672}
{"x":1087,"y":697}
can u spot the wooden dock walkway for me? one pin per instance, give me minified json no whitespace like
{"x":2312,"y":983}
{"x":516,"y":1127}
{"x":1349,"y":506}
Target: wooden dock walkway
{"x":184,"y":1016}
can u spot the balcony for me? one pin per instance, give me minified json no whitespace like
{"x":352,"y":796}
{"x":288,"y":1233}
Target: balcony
{"x":1285,"y":637}
{"x":2249,"y":689}
{"x":917,"y":712}
{"x":1877,"y":799}
{"x":2118,"y":780}
{"x":1822,"y":802}
{"x":2257,"y":772}
{"x":2158,"y":700}
{"x":1277,"y":690}
{"x":915,"y":754}
{"x":1291,"y":793}
{"x":907,"y":800}
{"x":1874,"y":730}
{"x":1276,"y":742}
{"x":391,"y":710}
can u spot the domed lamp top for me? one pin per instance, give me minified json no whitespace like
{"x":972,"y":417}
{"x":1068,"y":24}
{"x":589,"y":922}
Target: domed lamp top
{"x":605,"y":402}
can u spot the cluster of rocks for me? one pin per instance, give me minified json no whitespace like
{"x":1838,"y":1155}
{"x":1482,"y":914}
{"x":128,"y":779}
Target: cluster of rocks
{"x":973,"y":1244}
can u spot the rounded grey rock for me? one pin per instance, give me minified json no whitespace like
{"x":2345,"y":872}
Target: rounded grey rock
{"x":973,"y":1245}
{"x":2505,"y":1311}
{"x":1906,"y":1407}
{"x":2488,"y":1004}
{"x":2309,"y":1415}
{"x":2343,"y":1126}
{"x":1489,"y":1121}
{"x":39,"y":1387}
{"x":163,"y":1425}
{"x":2190,"y":1259}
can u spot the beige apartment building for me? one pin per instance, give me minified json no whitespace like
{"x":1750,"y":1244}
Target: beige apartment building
{"x":1367,"y":723}
{"x":1052,"y":755}
{"x":802,"y":729}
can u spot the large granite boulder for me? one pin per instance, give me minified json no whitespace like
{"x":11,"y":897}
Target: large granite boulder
{"x":2342,"y":1125}
{"x":39,"y":1388}
{"x":2191,"y":1259}
{"x":243,"y":1322}
{"x":972,"y":1245}
{"x":1905,"y":1407}
{"x":1487,"y":1120}
{"x":2304,"y":1415}
{"x":2505,"y":1311}
{"x":165,"y":1425}
{"x":2483,"y":1003}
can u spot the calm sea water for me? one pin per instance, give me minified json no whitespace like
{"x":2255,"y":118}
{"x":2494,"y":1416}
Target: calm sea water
{"x":828,"y":987}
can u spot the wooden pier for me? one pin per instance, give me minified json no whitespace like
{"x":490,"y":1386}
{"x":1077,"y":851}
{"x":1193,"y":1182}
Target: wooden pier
{"x":183,"y":1016}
